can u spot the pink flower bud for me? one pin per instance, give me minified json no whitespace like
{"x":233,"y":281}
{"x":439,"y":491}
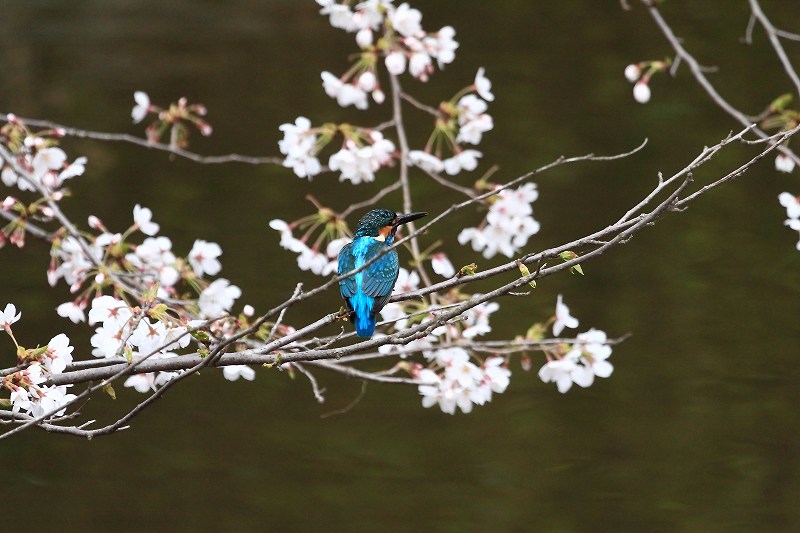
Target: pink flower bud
{"x":364,"y":38}
{"x":378,"y":96}
{"x":632,"y":72}
{"x":9,"y":202}
{"x":59,"y":132}
{"x":205,"y":128}
{"x":12,"y":118}
{"x":95,"y":222}
{"x":47,"y":211}
{"x":57,"y":196}
{"x":248,"y":310}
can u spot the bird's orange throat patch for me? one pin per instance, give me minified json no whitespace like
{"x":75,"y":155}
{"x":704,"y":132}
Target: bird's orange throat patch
{"x":384,"y":232}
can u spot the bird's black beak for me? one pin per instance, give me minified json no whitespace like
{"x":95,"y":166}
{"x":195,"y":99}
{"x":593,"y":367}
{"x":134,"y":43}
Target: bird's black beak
{"x":402,"y":219}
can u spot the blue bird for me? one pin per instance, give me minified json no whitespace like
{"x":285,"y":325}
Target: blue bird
{"x":366,"y":292}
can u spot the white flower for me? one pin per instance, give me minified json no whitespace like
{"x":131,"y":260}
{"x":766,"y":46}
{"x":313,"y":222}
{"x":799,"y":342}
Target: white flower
{"x":560,"y":372}
{"x":442,"y":45}
{"x":442,"y":265}
{"x":420,"y":65}
{"x":346,"y":94}
{"x":58,"y":354}
{"x":497,"y":376}
{"x":784,"y":163}
{"x":393,"y":312}
{"x":234,"y":372}
{"x":340,"y":15}
{"x":425,"y":161}
{"x":430,"y":391}
{"x":154,"y":259}
{"x":463,"y":160}
{"x":217,"y":299}
{"x":48,"y":159}
{"x":72,"y":311}
{"x":406,"y":20}
{"x":641,"y":92}
{"x":76,"y":168}
{"x":20,"y":401}
{"x":312,"y":260}
{"x":791,"y":203}
{"x":287,"y":239}
{"x":592,"y":351}
{"x":9,"y":315}
{"x":109,"y":310}
{"x":141,"y":108}
{"x":142,"y":217}
{"x":563,"y":318}
{"x":142,"y":382}
{"x":407,"y":281}
{"x":203,"y":258}
{"x":477,"y":319}
{"x":483,"y":86}
{"x":359,"y":164}
{"x":632,"y":72}
{"x":50,"y":401}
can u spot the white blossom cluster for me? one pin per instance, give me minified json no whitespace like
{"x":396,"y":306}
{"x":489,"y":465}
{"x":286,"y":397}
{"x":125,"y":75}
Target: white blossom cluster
{"x":396,"y":33}
{"x":46,"y":166}
{"x":585,"y":359}
{"x":507,"y":226}
{"x":792,"y":205}
{"x":312,"y":259}
{"x":29,"y":394}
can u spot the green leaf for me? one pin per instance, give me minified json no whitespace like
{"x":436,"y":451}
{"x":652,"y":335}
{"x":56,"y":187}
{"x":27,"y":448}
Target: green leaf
{"x":781,"y":102}
{"x":576,"y":268}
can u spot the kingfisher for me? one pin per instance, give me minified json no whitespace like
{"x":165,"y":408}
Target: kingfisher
{"x":366,"y":292}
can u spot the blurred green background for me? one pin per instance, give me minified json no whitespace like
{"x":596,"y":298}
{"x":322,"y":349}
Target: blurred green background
{"x":697,"y":428}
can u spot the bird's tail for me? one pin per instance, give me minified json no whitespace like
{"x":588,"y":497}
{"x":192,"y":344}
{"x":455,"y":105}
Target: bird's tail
{"x":365,"y":325}
{"x":364,"y":319}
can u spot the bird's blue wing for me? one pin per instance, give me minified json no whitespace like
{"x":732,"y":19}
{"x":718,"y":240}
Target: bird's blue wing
{"x":347,"y":262}
{"x":380,"y":277}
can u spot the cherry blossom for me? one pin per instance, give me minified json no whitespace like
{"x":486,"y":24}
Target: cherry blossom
{"x":791,"y":203}
{"x":142,"y":106}
{"x":218,"y":298}
{"x":142,"y":217}
{"x":462,"y":160}
{"x":72,"y":311}
{"x":406,"y":20}
{"x":58,"y":354}
{"x":563,"y":318}
{"x":559,"y":371}
{"x":9,"y":315}
{"x":234,"y":372}
{"x":442,"y":265}
{"x":203,"y":258}
{"x":483,"y":86}
{"x":784,"y":163}
{"x":425,"y":161}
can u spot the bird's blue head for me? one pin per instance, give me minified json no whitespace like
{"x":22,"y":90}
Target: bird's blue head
{"x":382,"y":224}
